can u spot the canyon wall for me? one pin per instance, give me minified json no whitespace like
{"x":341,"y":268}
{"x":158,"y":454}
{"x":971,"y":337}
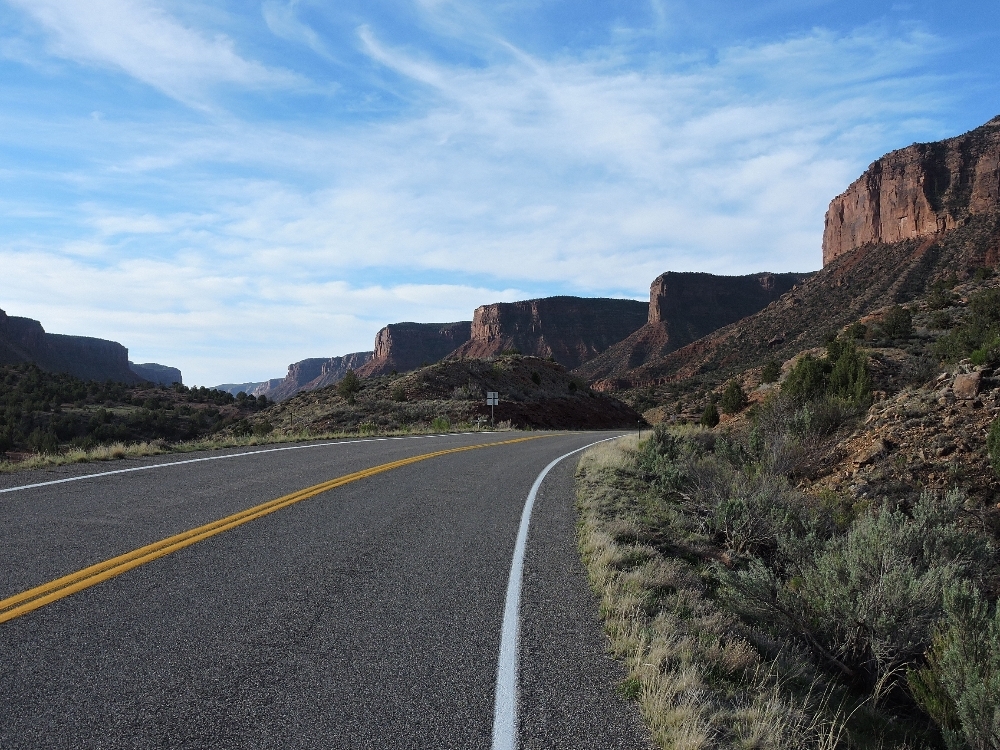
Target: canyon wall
{"x":917,"y":191}
{"x":24,"y":340}
{"x":570,"y":330}
{"x":407,"y":346}
{"x":308,"y":374}
{"x":682,"y":308}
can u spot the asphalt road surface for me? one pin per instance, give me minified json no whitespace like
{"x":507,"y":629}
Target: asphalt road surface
{"x":365,"y":616}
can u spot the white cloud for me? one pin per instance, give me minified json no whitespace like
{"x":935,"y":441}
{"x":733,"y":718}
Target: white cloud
{"x":515,"y":176}
{"x":283,"y":22}
{"x":143,"y":41}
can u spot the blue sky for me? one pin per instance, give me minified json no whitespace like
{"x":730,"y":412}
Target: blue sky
{"x":228,"y":187}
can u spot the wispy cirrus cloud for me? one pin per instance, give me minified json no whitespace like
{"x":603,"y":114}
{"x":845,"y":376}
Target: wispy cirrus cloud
{"x":142,"y":40}
{"x":232,"y":245}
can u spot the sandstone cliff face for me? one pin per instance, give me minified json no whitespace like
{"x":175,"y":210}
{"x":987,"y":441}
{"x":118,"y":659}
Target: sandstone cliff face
{"x":571,"y":330}
{"x":407,"y":346}
{"x":24,"y":340}
{"x":683,"y":307}
{"x":308,"y":374}
{"x":924,"y":189}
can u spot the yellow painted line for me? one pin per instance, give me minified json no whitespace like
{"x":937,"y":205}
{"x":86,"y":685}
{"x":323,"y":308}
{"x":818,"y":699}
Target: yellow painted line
{"x":32,"y":599}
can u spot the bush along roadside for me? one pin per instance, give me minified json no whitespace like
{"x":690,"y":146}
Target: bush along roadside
{"x":753,"y":614}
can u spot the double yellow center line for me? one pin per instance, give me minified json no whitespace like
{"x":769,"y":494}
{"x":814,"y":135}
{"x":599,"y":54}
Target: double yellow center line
{"x":28,"y":601}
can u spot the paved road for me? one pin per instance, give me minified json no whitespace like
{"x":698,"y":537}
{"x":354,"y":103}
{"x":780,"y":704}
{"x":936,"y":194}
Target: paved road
{"x":367,"y":616}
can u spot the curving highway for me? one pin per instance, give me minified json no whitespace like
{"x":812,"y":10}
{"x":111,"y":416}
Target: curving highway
{"x":330,"y":595}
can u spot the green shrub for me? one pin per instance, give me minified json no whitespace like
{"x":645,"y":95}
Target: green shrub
{"x":978,"y":336}
{"x":850,"y":379}
{"x":441,"y":424}
{"x":806,"y":381}
{"x":940,"y":321}
{"x":536,"y":378}
{"x":733,"y":398}
{"x":349,"y":385}
{"x":856,"y":330}
{"x":399,"y":394}
{"x":709,"y":417}
{"x":897,"y":323}
{"x":260,"y":429}
{"x":770,"y":372}
{"x":866,"y":601}
{"x":960,"y":685}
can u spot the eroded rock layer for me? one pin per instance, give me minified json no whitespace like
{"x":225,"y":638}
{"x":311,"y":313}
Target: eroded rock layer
{"x":406,"y":346}
{"x":921,"y":190}
{"x":570,"y":330}
{"x":683,"y":307}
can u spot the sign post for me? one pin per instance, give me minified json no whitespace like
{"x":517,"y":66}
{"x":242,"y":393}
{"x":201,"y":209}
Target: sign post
{"x":492,"y":399}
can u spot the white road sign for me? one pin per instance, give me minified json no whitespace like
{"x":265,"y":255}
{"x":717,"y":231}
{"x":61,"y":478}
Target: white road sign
{"x":492,"y":398}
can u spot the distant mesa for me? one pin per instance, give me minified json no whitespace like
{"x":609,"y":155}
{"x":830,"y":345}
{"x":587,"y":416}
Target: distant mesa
{"x":24,"y":340}
{"x":918,"y":191}
{"x":570,"y":330}
{"x":406,"y":346}
{"x":683,"y":307}
{"x":154,"y":373}
{"x":307,"y":375}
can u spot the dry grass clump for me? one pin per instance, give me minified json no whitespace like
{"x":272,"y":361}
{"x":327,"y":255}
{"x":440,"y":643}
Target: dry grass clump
{"x":702,"y":676}
{"x":108,"y":452}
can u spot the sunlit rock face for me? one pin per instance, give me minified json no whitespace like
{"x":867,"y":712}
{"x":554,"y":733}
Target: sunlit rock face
{"x":917,"y":191}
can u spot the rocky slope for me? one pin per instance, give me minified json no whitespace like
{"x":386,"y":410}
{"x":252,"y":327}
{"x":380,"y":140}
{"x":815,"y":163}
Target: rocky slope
{"x":570,"y":330}
{"x":407,"y":346}
{"x":24,"y":340}
{"x":684,"y":307}
{"x":918,"y":191}
{"x":308,"y":374}
{"x":533,"y":392}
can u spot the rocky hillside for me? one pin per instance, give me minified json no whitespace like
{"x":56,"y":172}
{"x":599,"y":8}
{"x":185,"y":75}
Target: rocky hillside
{"x":402,"y":347}
{"x":534,"y":393}
{"x":684,"y":307}
{"x":24,"y":340}
{"x":919,"y":191}
{"x":570,"y":330}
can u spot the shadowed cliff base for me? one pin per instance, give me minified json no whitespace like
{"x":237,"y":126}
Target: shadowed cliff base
{"x":534,"y":393}
{"x":683,"y":307}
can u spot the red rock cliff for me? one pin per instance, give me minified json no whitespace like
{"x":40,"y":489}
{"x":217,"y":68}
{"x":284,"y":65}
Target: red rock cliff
{"x":571,"y":330}
{"x":917,"y":191}
{"x":683,"y":307}
{"x":24,"y":340}
{"x":407,"y":346}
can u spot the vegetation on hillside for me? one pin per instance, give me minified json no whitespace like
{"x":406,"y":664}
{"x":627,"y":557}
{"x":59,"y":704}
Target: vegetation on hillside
{"x":820,"y":569}
{"x":43,"y":412}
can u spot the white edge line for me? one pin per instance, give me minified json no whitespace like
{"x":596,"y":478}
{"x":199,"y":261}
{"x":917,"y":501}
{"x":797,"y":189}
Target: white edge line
{"x":505,"y":705}
{"x":228,"y":455}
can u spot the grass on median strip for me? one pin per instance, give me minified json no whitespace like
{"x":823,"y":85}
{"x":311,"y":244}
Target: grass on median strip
{"x":703,"y":676}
